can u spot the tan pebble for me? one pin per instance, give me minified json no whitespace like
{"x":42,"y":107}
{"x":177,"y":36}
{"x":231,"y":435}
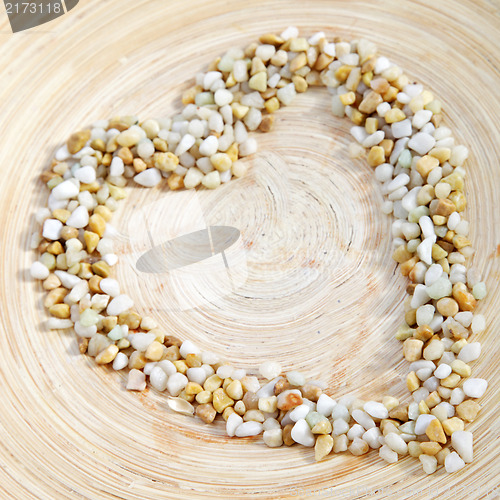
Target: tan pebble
{"x":227,"y":413}
{"x":265,"y":126}
{"x":369,"y":104}
{"x":55,"y":296}
{"x":463,"y":369}
{"x":212,"y":383}
{"x":311,"y":392}
{"x":447,"y":306}
{"x":323,"y":446}
{"x":83,"y":345}
{"x":401,"y":254}
{"x":281,"y":386}
{"x":251,"y":401}
{"x":432,"y":399}
{"x":108,"y":323}
{"x":423,"y":408}
{"x":254,"y":416}
{"x":204,"y":397}
{"x":376,"y":156}
{"x":51,"y":282}
{"x":221,"y":400}
{"x":126,"y":155}
{"x":287,"y":435}
{"x":172,"y":353}
{"x":268,"y":405}
{"x":322,"y":427}
{"x":394,"y":114}
{"x":468,"y":410}
{"x":137,"y":360}
{"x":298,"y":45}
{"x":451,"y":381}
{"x":435,"y":431}
{"x":425,"y":164}
{"x":101,"y":268}
{"x":193,"y":360}
{"x":60,"y":311}
{"x":107,"y":356}
{"x":166,"y":162}
{"x":453,"y":424}
{"x":400,"y":412}
{"x":423,"y":333}
{"x":97,"y":224}
{"x":180,"y":366}
{"x":466,"y":300}
{"x":412,"y":349}
{"x":430,"y":447}
{"x":193,"y":388}
{"x":445,"y":207}
{"x":77,"y":141}
{"x":155,"y":350}
{"x":412,"y":381}
{"x":206,"y":412}
{"x":340,"y":443}
{"x":300,"y":83}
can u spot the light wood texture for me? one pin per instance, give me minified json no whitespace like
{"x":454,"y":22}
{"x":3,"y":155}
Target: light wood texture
{"x":321,"y":293}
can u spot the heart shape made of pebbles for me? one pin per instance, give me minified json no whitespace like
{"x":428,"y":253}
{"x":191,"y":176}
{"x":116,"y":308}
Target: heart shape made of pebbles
{"x":398,"y":124}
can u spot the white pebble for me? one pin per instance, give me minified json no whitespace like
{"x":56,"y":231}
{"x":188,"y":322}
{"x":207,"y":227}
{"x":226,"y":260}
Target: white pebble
{"x":273,"y":437}
{"x":110,"y":287}
{"x":197,"y":375}
{"x":372,"y":437}
{"x":396,"y":443}
{"x":286,"y":94}
{"x":176,"y":383}
{"x":185,"y":144}
{"x":39,"y":271}
{"x":148,"y":178}
{"x":390,"y":456}
{"x":478,"y":324}
{"x":425,"y":314}
{"x":136,"y":380}
{"x":233,"y":422}
{"x":168,"y":367}
{"x":340,"y":412}
{"x":120,"y":361}
{"x":119,"y":304}
{"x":376,"y":410}
{"x":270,"y":369}
{"x":475,"y":387}
{"x":299,"y":412}
{"x":302,"y":434}
{"x":223,"y":97}
{"x":141,"y":341}
{"x":462,"y":441}
{"x":79,"y":218}
{"x":429,"y":463}
{"x":401,"y":129}
{"x":296,"y":378}
{"x":340,"y":426}
{"x":424,"y":250}
{"x":442,"y":371}
{"x":453,"y":462}
{"x":188,"y":347}
{"x":209,"y":146}
{"x":470,"y":352}
{"x":66,"y":190}
{"x":363,"y":419}
{"x":421,"y":143}
{"x":325,"y":405}
{"x":158,"y":379}
{"x":248,"y":147}
{"x":250,"y":428}
{"x":52,"y":229}
{"x":85,"y":175}
{"x":117,"y":167}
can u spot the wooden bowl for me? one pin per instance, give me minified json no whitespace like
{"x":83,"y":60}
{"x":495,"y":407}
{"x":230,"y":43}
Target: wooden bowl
{"x":315,"y":287}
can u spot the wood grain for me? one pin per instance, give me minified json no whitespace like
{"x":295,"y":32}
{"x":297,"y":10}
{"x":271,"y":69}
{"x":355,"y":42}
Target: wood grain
{"x":318,"y":291}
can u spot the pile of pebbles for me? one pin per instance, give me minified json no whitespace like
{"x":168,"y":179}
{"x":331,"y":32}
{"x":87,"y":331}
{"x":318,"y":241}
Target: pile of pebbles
{"x":397,"y":124}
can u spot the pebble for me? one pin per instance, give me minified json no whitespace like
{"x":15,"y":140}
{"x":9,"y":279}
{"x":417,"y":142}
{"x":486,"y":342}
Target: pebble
{"x":110,"y":287}
{"x":119,"y":304}
{"x":39,"y":271}
{"x":66,"y":190}
{"x":79,"y":218}
{"x":273,"y":438}
{"x":120,"y":361}
{"x":148,"y":178}
{"x":363,"y":419}
{"x":295,"y":378}
{"x":136,"y":380}
{"x":396,"y":443}
{"x":385,"y":453}
{"x":422,"y":423}
{"x":475,"y":387}
{"x":176,"y":383}
{"x":453,"y":462}
{"x":429,"y":463}
{"x":376,"y":410}
{"x":325,"y":405}
{"x":358,"y":447}
{"x":52,"y":229}
{"x":270,"y":369}
{"x":250,"y":428}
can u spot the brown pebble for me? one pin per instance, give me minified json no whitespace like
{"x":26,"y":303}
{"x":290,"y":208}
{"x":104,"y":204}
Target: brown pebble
{"x":77,"y":141}
{"x":287,"y":435}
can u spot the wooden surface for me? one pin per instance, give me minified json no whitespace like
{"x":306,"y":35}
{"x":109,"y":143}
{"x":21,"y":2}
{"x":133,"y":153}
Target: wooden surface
{"x":318,"y":290}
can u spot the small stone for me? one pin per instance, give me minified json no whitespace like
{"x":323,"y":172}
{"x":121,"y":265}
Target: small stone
{"x":136,"y":380}
{"x":468,"y":410}
{"x":325,"y":405}
{"x":268,"y":405}
{"x":148,"y":178}
{"x":430,"y":447}
{"x":390,"y":456}
{"x":376,"y":410}
{"x":270,"y":369}
{"x":363,"y":419}
{"x":470,"y":352}
{"x":453,"y":462}
{"x":119,"y":304}
{"x":180,"y":405}
{"x":422,"y":423}
{"x":369,"y":104}
{"x":435,"y":431}
{"x":396,"y":443}
{"x":235,"y":390}
{"x":295,"y":378}
{"x":221,"y":400}
{"x":176,"y":383}
{"x":302,"y":434}
{"x":462,"y":441}
{"x":475,"y":387}
{"x":451,"y":425}
{"x":358,"y":447}
{"x":412,"y":349}
{"x":323,"y":446}
{"x":77,"y":141}
{"x":248,"y":428}
{"x":107,"y":355}
{"x":155,"y":351}
{"x":273,"y":438}
{"x":434,"y":350}
{"x":289,"y":399}
{"x":207,"y":413}
{"x":429,"y":463}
